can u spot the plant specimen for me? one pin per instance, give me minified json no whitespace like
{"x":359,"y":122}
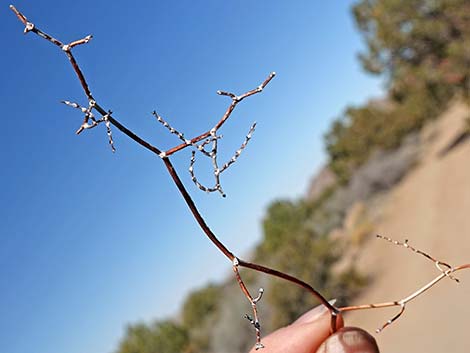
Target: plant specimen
{"x":206,"y":145}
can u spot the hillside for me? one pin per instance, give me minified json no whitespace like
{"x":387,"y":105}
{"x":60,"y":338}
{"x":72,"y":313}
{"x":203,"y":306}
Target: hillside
{"x":430,"y":207}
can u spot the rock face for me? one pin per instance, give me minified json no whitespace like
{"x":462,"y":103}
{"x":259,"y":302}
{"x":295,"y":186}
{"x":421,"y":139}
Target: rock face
{"x":429,"y":207}
{"x":384,"y":169}
{"x":378,"y":175}
{"x":324,"y":179}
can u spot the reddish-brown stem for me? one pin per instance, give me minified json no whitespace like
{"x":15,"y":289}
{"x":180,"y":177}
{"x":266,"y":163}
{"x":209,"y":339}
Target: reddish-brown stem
{"x":18,"y":14}
{"x":80,"y":41}
{"x":228,"y":112}
{"x":80,"y":75}
{"x":30,"y":27}
{"x":402,"y":302}
{"x":164,"y":156}
{"x":333,"y":310}
{"x":253,"y":301}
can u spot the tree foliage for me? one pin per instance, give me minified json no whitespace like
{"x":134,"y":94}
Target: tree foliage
{"x":199,"y":313}
{"x":159,"y":337}
{"x":416,"y":42}
{"x":422,"y":47}
{"x":199,"y":305}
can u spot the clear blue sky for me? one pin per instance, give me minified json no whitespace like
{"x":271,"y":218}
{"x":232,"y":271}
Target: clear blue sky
{"x":90,"y":240}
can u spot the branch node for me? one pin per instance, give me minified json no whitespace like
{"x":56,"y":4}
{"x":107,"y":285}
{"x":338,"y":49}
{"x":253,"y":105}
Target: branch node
{"x":29,"y":27}
{"x":390,"y":321}
{"x":259,"y":345}
{"x":235,"y":262}
{"x":254,"y":322}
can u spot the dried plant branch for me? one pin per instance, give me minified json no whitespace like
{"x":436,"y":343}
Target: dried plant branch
{"x":405,"y":244}
{"x":180,"y":135}
{"x":402,"y":302}
{"x":211,"y":137}
{"x":239,"y":151}
{"x":30,"y":27}
{"x":210,"y":154}
{"x":213,"y":156}
{"x":90,"y":116}
{"x":235,"y":100}
{"x":253,"y":301}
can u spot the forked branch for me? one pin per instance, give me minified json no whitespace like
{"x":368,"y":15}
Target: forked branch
{"x":199,"y":144}
{"x":402,"y":302}
{"x":212,"y":154}
{"x":164,"y":155}
{"x":253,"y":301}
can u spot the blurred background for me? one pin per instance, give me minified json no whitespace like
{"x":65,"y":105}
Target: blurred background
{"x":364,"y":130}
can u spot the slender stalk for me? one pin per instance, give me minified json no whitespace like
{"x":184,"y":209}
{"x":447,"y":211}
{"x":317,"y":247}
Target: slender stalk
{"x":235,"y":100}
{"x":30,"y":27}
{"x":402,"y":302}
{"x":253,"y":301}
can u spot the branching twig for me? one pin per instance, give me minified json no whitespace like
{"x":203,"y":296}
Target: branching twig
{"x":211,"y":136}
{"x":89,"y":116}
{"x":253,"y":301}
{"x":438,"y":263}
{"x":164,"y":155}
{"x":235,"y":100}
{"x":207,"y":138}
{"x":402,"y":302}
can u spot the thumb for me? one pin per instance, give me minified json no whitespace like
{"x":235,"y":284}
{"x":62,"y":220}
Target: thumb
{"x":349,"y":340}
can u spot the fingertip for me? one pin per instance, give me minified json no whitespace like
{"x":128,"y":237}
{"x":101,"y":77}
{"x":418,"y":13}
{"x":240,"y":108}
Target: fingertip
{"x":349,"y":340}
{"x":313,"y":314}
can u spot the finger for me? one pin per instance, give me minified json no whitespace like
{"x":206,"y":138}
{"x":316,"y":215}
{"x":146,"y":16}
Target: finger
{"x":349,"y":340}
{"x":300,"y":337}
{"x":313,"y":314}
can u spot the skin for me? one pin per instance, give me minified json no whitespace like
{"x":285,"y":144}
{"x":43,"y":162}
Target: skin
{"x":311,"y":334}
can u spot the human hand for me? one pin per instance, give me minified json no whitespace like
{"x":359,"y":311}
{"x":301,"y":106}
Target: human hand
{"x":311,"y":333}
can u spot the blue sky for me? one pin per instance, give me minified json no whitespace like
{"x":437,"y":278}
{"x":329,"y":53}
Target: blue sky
{"x":90,"y":240}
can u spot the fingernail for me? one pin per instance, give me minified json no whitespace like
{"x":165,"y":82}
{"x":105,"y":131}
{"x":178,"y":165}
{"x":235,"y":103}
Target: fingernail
{"x":314,"y":314}
{"x":349,"y":340}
